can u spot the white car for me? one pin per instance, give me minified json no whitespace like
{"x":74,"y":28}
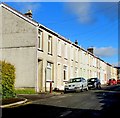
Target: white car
{"x":76,"y":84}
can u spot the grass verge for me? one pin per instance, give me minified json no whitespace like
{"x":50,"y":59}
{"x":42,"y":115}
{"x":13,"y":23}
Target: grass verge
{"x":25,"y":91}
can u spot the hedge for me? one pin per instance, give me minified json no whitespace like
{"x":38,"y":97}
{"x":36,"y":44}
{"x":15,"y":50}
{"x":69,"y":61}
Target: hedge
{"x":7,"y":79}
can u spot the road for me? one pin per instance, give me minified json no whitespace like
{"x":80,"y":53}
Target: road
{"x":87,"y":104}
{"x":81,"y":100}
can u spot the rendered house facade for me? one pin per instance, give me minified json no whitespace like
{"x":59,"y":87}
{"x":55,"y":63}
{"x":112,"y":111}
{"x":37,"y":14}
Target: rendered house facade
{"x":19,"y":45}
{"x":41,"y":55}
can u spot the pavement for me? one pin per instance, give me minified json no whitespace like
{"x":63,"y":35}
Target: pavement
{"x":29,"y":98}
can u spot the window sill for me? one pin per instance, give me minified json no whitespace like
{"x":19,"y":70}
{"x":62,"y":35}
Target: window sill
{"x":58,"y":55}
{"x":40,"y":50}
{"x":50,"y":54}
{"x":65,"y":80}
{"x":65,"y":58}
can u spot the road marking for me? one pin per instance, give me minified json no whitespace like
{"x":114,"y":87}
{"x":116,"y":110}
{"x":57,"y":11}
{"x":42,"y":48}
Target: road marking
{"x":65,"y":113}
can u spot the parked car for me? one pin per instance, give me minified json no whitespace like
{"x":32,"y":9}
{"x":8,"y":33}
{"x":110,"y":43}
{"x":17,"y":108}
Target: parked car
{"x":76,"y":85}
{"x":94,"y":83}
{"x":112,"y":81}
{"x":118,"y":81}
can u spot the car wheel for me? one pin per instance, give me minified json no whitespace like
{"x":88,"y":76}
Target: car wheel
{"x":82,"y":89}
{"x":99,"y":86}
{"x":65,"y":91}
{"x":87,"y":89}
{"x":78,"y":90}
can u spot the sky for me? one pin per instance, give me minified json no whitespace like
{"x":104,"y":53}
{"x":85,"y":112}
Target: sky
{"x":93,"y":24}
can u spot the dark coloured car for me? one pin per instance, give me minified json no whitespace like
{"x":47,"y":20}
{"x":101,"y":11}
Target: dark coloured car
{"x":94,"y":83}
{"x":118,"y":81}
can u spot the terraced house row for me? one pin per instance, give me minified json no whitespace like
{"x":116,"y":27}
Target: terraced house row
{"x":41,"y":55}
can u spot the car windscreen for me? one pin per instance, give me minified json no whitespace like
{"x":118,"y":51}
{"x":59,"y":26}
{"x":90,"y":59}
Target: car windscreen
{"x":74,"y":80}
{"x":91,"y":80}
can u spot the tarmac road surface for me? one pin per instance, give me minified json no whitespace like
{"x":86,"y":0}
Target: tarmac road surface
{"x":88,"y":104}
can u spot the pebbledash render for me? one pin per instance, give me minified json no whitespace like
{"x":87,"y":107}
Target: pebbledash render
{"x":41,"y":55}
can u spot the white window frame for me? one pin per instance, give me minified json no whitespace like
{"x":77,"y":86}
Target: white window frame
{"x":72,"y":54}
{"x":49,"y":44}
{"x":40,"y":39}
{"x":65,"y":69}
{"x":71,"y":72}
{"x":76,"y":71}
{"x":59,"y":47}
{"x":76,"y":54}
{"x":65,"y":51}
{"x":49,"y":66}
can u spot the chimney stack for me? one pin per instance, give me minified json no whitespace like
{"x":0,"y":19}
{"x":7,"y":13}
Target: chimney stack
{"x":76,"y":42}
{"x":90,"y":49}
{"x":29,"y":14}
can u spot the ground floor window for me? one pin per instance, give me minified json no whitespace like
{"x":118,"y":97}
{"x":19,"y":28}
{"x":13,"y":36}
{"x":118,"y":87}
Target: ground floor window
{"x":71,"y":72}
{"x":76,"y":71}
{"x":49,"y":71}
{"x":65,"y":72}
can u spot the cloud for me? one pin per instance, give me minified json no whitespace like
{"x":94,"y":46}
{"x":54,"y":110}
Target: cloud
{"x":117,"y":64}
{"x":81,"y":10}
{"x":25,"y":6}
{"x":105,"y":51}
{"x":30,"y":6}
{"x":108,"y":9}
{"x":89,"y":12}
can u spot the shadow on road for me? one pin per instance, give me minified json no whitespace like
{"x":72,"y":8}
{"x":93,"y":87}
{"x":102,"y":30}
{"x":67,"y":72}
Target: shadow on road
{"x":110,"y":97}
{"x":110,"y":108}
{"x":45,"y":111}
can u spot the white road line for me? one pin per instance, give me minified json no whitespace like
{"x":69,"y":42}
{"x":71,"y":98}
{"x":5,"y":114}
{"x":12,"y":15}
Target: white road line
{"x":65,"y":113}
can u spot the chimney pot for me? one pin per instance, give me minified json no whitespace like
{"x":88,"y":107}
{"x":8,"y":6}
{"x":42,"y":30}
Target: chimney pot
{"x":76,"y":42}
{"x":29,"y":14}
{"x":90,"y":49}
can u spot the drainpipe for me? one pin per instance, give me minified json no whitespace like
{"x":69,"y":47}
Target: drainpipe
{"x":50,"y":86}
{"x":37,"y":87}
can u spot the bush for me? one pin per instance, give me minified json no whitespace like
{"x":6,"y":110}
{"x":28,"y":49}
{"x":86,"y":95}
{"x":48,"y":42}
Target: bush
{"x":7,"y":80}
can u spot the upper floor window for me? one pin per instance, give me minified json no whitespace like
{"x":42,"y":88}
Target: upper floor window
{"x":59,"y":48}
{"x":65,"y":51}
{"x":40,"y":39}
{"x":71,"y":53}
{"x":76,"y":55}
{"x":49,"y":44}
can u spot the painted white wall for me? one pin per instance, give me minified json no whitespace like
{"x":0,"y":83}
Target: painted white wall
{"x":0,"y":30}
{"x":19,"y":48}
